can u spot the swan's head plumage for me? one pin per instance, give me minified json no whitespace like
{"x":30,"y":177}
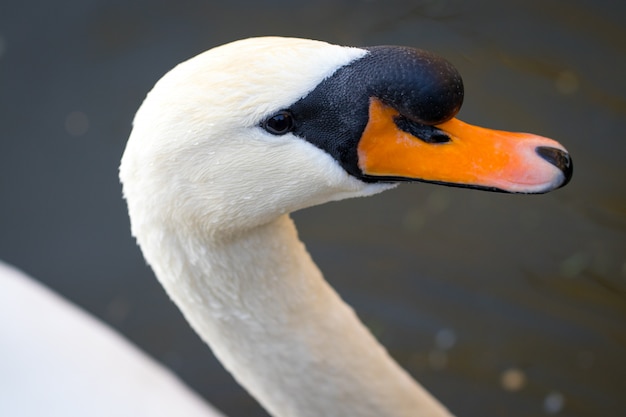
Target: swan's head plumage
{"x":199,"y":154}
{"x":197,"y":148}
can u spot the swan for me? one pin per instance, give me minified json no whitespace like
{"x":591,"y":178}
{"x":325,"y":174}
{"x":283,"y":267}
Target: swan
{"x":230,"y":142}
{"x":224,"y":147}
{"x":56,"y":360}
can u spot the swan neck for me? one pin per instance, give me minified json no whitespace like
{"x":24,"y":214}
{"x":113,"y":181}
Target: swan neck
{"x":264,"y":308}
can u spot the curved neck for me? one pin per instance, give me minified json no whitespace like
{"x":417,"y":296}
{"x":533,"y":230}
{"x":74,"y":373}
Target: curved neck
{"x":264,"y":308}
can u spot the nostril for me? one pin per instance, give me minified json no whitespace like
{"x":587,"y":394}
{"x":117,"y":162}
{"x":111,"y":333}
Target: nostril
{"x":559,"y":159}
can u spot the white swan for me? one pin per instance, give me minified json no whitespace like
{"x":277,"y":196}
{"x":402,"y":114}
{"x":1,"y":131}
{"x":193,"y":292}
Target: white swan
{"x":58,"y":361}
{"x":223,"y":148}
{"x":231,"y":141}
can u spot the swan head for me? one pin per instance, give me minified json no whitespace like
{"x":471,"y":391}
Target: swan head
{"x":245,"y":132}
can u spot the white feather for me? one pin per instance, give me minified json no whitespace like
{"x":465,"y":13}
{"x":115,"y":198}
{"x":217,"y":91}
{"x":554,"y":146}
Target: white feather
{"x":58,"y":361}
{"x":208,"y":191}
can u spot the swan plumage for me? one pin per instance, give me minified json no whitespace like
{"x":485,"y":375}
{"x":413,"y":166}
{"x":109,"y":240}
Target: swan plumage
{"x":230,"y":142}
{"x":59,"y":361}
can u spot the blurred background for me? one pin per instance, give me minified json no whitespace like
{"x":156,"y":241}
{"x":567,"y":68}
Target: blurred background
{"x":501,"y":305}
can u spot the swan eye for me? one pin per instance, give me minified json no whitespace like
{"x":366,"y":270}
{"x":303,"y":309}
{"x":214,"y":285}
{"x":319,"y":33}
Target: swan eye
{"x":279,"y":124}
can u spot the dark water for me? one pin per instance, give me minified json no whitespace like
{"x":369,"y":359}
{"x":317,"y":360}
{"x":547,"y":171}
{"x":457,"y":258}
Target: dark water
{"x":501,"y":305}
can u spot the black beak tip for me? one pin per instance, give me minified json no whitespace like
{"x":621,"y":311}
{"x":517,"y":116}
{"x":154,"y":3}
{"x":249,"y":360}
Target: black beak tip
{"x":559,"y":159}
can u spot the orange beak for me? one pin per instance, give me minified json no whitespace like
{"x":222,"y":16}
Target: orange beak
{"x":467,"y":156}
